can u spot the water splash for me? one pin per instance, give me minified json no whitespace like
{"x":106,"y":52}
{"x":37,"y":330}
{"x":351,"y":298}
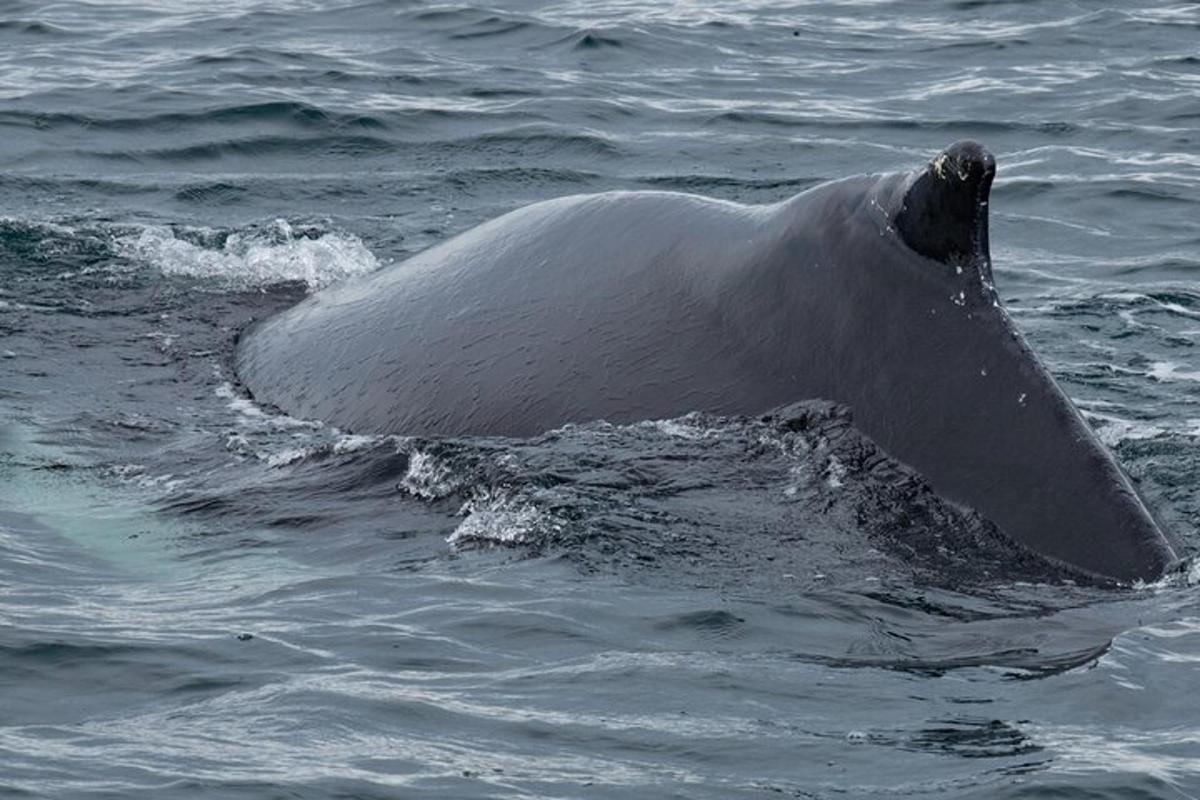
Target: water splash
{"x":255,"y":258}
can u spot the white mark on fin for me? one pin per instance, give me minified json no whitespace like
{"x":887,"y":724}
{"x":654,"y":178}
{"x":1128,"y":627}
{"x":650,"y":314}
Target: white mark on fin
{"x":939,"y":166}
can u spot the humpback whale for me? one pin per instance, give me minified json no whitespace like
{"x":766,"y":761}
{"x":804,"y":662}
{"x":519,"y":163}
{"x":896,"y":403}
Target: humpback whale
{"x":875,"y":291}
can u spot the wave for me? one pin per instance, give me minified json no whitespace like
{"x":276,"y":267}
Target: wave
{"x":289,"y":113}
{"x":800,"y":490}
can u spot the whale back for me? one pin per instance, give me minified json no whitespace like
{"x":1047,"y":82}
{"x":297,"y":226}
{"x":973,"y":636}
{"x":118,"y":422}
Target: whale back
{"x":874,"y":291}
{"x":540,"y":317}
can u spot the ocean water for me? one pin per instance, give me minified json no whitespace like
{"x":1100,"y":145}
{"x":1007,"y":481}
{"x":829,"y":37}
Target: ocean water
{"x":200,"y":597}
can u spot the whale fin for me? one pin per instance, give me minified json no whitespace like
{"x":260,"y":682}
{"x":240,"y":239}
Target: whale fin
{"x":944,"y":214}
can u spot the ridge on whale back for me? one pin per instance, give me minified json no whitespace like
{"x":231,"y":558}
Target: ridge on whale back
{"x":874,"y":291}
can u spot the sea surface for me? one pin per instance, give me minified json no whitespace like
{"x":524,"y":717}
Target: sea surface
{"x":203,"y":598}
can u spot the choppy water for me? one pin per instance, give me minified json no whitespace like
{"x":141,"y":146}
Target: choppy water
{"x":203,"y":599}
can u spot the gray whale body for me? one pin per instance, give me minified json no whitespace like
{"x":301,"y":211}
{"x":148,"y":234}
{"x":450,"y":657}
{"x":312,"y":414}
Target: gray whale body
{"x":874,"y":291}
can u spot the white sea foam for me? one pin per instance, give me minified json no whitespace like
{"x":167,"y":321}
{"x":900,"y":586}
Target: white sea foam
{"x":350,"y":443}
{"x":290,"y":456}
{"x":136,"y":474}
{"x":498,"y":526}
{"x":690,"y":426}
{"x":835,"y":472}
{"x":1170,"y":371}
{"x":246,"y":408}
{"x":499,"y":518}
{"x":1113,"y":430}
{"x":257,"y":258}
{"x":237,"y":403}
{"x":428,"y":477}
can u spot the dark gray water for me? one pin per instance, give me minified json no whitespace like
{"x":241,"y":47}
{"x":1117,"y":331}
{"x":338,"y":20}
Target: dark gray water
{"x":201,"y":598}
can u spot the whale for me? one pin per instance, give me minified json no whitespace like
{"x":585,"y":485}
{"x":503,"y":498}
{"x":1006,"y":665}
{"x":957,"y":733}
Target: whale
{"x":874,"y":291}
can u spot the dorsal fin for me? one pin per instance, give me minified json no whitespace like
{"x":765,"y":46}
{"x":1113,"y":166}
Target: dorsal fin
{"x":944,"y":214}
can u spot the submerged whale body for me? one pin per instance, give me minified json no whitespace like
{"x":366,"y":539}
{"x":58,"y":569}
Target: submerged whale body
{"x":874,"y":291}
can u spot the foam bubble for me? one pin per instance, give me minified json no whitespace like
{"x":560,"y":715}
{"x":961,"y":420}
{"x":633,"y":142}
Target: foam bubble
{"x":247,"y":411}
{"x":288,"y":457}
{"x":835,"y":472}
{"x":237,"y":403}
{"x":1191,"y":576}
{"x":255,"y":258}
{"x":1170,"y":371}
{"x":1112,"y":430}
{"x":351,"y":443}
{"x":428,"y":477}
{"x":499,"y":526}
{"x":499,"y":518}
{"x":690,"y":426}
